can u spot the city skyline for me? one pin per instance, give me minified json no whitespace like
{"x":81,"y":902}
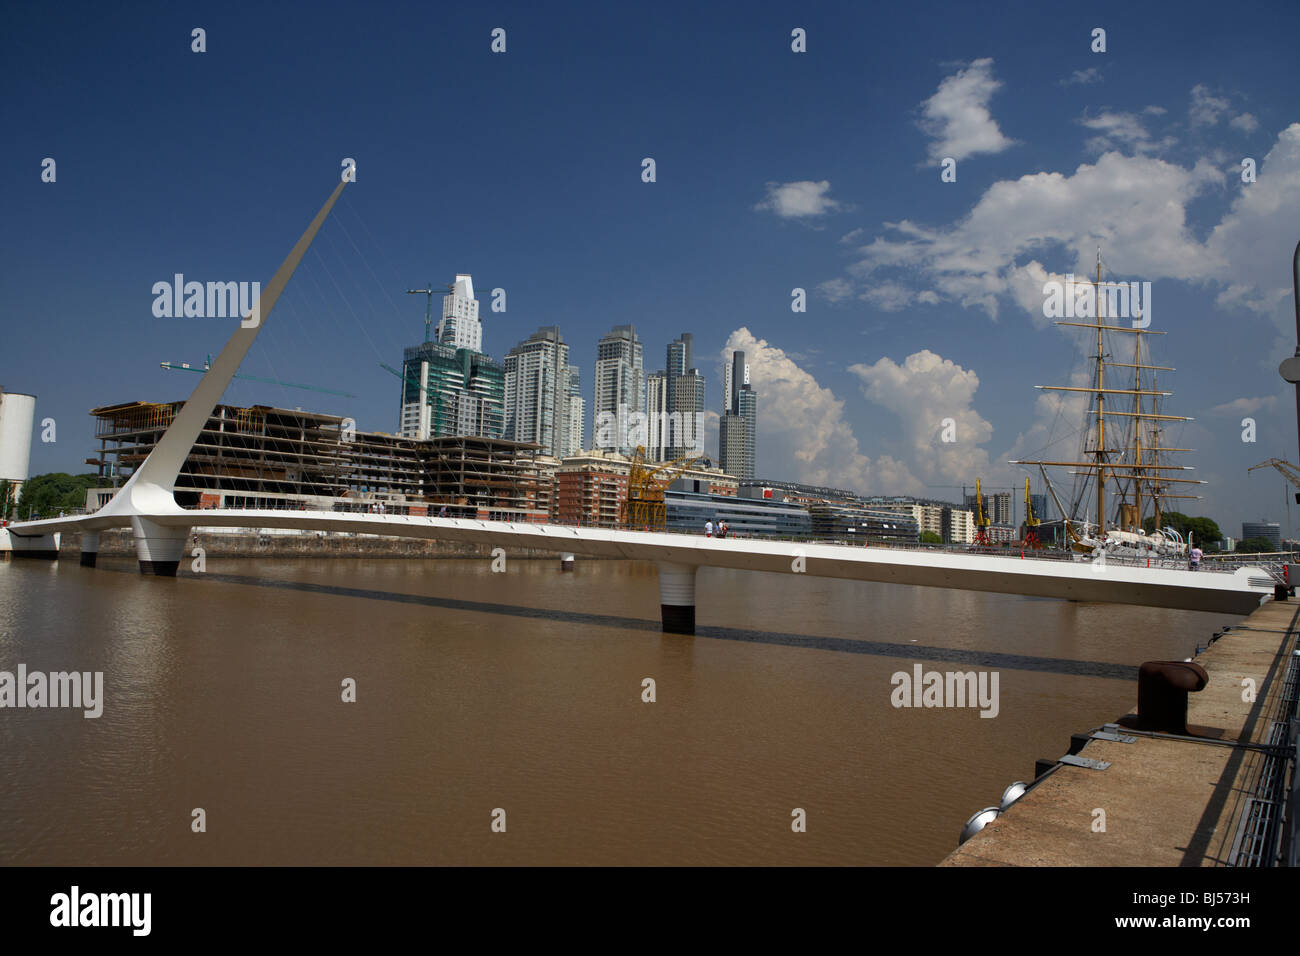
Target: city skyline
{"x":923,"y":297}
{"x":452,"y":386}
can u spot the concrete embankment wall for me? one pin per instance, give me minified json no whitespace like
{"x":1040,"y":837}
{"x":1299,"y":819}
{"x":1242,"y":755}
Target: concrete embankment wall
{"x":254,"y":545}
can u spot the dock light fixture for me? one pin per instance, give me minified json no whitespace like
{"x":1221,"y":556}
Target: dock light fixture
{"x":977,"y":823}
{"x":1012,"y":794}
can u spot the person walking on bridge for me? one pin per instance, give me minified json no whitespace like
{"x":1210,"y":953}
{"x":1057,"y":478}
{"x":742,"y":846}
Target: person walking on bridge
{"x":708,"y":528}
{"x":1197,"y":554}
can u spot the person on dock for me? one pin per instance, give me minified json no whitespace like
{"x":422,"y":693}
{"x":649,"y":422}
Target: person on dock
{"x":722,"y":528}
{"x":1197,"y":554}
{"x":708,"y":528}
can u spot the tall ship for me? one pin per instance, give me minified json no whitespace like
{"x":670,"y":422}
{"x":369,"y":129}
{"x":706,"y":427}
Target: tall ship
{"x":1124,"y":473}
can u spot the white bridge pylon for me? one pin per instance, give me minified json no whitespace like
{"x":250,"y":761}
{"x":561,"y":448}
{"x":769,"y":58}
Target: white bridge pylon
{"x":147,"y":504}
{"x":149,"y":494}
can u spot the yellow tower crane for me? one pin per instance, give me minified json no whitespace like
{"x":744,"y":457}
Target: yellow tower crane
{"x":1032,"y":521}
{"x":981,"y":519}
{"x":644,"y":508}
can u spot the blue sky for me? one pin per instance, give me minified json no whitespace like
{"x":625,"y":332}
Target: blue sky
{"x":775,"y":170}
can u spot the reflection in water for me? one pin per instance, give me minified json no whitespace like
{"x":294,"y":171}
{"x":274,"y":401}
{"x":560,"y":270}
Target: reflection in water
{"x":523,"y":691}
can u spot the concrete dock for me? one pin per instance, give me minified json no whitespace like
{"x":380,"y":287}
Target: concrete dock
{"x":1166,"y":799}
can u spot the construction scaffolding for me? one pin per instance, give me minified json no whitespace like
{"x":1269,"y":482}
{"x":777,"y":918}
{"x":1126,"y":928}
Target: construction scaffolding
{"x":502,"y":478}
{"x":265,"y":457}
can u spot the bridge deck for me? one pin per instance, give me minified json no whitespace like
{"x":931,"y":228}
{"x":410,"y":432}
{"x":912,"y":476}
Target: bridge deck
{"x":1239,"y":592}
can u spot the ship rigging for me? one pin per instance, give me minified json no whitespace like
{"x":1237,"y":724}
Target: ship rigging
{"x":1122,"y":446}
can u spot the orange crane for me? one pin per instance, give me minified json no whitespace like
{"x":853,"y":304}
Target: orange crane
{"x":644,"y":507}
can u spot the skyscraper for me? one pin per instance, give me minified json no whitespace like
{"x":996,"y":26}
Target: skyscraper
{"x":738,"y":427}
{"x":680,"y":355}
{"x":657,"y":432}
{"x":577,"y":423}
{"x":540,"y":386}
{"x":619,"y":389}
{"x":460,"y":326}
{"x":448,"y":391}
{"x":449,"y":386}
{"x":683,"y":401}
{"x":686,"y":415}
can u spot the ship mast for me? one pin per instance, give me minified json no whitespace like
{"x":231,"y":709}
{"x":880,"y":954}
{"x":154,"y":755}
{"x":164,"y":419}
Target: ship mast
{"x":1137,"y":434}
{"x":1101,"y":409}
{"x":1145,"y":468}
{"x":1137,"y":430}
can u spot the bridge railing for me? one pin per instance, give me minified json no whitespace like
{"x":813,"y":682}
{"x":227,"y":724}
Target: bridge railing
{"x":1273,"y":563}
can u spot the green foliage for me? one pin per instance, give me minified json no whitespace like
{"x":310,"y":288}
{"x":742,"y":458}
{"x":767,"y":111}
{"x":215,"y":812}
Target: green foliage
{"x":1255,"y":546}
{"x":47,"y":495}
{"x":929,"y":537}
{"x":1205,"y":532}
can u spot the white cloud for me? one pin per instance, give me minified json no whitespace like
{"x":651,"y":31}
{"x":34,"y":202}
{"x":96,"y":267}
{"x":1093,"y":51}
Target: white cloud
{"x":1249,"y":250}
{"x":1246,"y":122}
{"x":1054,"y":435}
{"x":710,"y":432}
{"x":799,"y":200}
{"x":1206,"y":109}
{"x":1133,"y":207}
{"x":836,"y":290}
{"x":888,"y":296}
{"x":802,"y":429}
{"x":1244,"y":406}
{"x":1121,"y":131}
{"x":1083,"y":77}
{"x":923,"y":391}
{"x":957,"y":116}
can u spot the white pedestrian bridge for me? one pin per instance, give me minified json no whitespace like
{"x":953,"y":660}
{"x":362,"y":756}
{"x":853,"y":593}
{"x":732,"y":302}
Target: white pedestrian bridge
{"x":161,"y":540}
{"x":161,"y":528}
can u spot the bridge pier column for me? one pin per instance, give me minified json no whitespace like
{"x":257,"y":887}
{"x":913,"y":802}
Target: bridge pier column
{"x":89,"y":548}
{"x":677,"y":597}
{"x":44,"y":546}
{"x":159,"y":548}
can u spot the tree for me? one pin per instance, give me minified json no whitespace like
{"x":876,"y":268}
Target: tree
{"x":1205,"y":532}
{"x":929,"y":537}
{"x":1255,"y":546}
{"x":44,"y":496}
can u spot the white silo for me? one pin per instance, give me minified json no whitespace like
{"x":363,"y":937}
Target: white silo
{"x":17,"y":415}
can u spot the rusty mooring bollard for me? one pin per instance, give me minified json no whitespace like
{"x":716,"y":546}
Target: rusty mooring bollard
{"x":1163,"y":687}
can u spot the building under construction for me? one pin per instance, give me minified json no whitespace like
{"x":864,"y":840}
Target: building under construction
{"x":264,"y":457}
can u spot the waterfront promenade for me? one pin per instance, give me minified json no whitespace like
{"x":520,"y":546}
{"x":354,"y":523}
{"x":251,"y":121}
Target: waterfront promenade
{"x":1167,"y":800}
